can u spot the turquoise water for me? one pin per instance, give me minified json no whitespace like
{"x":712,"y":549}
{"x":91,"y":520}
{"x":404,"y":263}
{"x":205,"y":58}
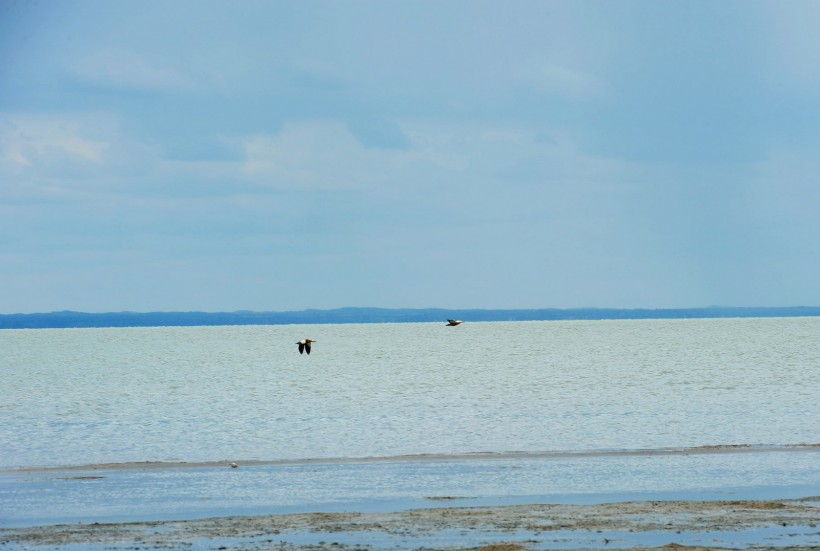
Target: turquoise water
{"x":86,"y":396}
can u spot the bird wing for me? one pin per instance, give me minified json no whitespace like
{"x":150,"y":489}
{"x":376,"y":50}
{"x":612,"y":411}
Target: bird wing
{"x":302,"y":348}
{"x":307,"y":348}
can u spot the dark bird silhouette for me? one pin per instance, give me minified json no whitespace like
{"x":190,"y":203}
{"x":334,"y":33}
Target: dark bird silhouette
{"x":453,"y":323}
{"x":304,"y":345}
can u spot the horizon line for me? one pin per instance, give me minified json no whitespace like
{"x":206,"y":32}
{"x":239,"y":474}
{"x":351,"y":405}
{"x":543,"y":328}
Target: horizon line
{"x":419,"y":309}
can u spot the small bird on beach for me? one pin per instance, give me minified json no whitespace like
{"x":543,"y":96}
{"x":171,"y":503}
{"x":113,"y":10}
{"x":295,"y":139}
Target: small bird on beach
{"x":304,"y":345}
{"x":453,"y":323}
{"x":233,"y":465}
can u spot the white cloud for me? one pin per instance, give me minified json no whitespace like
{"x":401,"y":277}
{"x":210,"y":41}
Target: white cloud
{"x":793,"y":42}
{"x":26,"y":140}
{"x":559,"y":79}
{"x":121,"y":68}
{"x":70,"y":155}
{"x":298,"y":156}
{"x":784,"y":190}
{"x":325,"y":155}
{"x":450,"y":162}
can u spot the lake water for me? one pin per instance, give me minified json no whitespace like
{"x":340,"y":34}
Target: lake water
{"x":91,"y":396}
{"x":81,"y":396}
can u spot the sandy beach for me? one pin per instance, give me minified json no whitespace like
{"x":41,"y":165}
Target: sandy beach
{"x":772,"y":524}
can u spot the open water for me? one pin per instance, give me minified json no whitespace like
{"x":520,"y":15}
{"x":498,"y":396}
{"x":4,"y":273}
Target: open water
{"x":82,"y":396}
{"x":196,"y":394}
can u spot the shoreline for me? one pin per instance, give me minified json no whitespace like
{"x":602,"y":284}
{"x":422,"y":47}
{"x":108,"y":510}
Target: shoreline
{"x":773,"y":524}
{"x":417,"y":458}
{"x":426,"y":501}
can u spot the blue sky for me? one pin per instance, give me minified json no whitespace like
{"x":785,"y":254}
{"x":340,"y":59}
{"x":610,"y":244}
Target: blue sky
{"x":219,"y":156}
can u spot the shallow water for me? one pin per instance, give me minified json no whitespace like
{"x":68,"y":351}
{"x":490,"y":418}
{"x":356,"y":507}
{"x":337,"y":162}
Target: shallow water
{"x":84,"y":396}
{"x":118,"y":494}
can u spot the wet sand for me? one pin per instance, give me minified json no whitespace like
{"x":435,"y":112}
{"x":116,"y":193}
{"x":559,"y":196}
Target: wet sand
{"x":774,"y":524}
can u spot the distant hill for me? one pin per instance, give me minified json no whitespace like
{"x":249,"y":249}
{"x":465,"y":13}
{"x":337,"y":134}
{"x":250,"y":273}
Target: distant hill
{"x":68,"y":319}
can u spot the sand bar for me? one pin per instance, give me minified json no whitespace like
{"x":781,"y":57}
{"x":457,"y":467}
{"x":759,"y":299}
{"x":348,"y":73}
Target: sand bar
{"x":429,"y":457}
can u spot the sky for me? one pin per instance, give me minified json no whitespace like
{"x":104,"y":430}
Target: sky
{"x":209,"y":155}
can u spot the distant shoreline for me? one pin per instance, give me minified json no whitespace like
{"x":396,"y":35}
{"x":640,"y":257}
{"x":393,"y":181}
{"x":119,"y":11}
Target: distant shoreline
{"x":71,"y":319}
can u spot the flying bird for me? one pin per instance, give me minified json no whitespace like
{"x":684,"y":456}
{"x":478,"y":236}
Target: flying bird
{"x":304,"y":345}
{"x":453,"y":323}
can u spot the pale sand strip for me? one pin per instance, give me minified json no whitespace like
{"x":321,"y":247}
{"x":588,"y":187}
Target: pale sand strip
{"x":699,"y":450}
{"x":789,"y":525}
